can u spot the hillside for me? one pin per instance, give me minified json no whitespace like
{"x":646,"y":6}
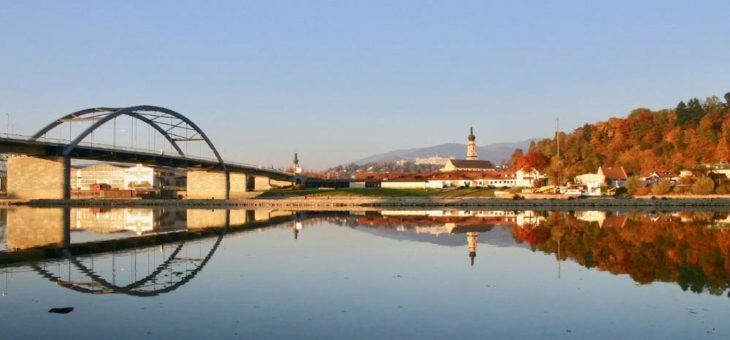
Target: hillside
{"x":692,"y":133}
{"x":492,"y":152}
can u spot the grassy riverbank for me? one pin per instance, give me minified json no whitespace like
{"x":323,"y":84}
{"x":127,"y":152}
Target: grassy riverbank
{"x":381,"y":192}
{"x":378,"y":198}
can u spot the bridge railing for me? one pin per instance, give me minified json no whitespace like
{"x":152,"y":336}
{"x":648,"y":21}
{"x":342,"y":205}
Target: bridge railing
{"x":147,"y":151}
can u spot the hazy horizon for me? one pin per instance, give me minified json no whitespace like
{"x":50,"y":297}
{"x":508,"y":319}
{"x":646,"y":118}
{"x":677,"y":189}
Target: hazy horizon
{"x":340,"y":81}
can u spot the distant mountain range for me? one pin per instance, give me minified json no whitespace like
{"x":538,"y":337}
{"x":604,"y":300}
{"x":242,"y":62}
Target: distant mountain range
{"x":492,"y":152}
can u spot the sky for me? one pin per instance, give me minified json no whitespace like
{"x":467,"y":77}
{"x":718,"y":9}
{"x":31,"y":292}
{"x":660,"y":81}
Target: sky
{"x":336,"y":81}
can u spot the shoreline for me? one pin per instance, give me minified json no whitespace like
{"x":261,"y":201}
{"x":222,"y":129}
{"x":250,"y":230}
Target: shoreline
{"x":378,"y":203}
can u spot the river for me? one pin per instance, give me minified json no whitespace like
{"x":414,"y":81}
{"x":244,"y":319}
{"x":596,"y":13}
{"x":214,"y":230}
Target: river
{"x":196,"y":273}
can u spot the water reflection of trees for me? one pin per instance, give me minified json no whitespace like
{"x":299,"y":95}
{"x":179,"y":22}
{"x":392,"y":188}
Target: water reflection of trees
{"x":691,"y":249}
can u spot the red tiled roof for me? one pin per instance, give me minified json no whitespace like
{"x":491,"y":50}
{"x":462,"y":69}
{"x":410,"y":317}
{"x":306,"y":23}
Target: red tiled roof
{"x":420,"y":176}
{"x":614,"y":173}
{"x":472,"y":164}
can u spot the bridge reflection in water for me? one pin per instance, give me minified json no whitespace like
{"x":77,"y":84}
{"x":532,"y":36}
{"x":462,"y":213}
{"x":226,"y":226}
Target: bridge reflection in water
{"x":147,"y":252}
{"x":133,"y":251}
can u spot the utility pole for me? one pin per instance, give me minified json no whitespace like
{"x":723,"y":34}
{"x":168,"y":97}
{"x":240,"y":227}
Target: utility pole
{"x":7,"y":123}
{"x":557,"y":134}
{"x":557,"y":142}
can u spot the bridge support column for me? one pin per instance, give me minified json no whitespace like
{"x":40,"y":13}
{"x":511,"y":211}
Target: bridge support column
{"x":31,"y":177}
{"x":262,"y":183}
{"x":67,"y":178}
{"x":228,"y":184}
{"x":239,"y":187}
{"x":207,"y":184}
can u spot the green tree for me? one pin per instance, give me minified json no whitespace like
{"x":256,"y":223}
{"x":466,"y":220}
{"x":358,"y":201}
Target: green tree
{"x":635,"y":184}
{"x":587,"y":132}
{"x":696,"y":110}
{"x":682,"y":113}
{"x":703,"y":186}
{"x":662,"y":187}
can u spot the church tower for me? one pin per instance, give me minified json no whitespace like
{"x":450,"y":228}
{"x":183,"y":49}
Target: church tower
{"x":295,"y":165}
{"x":471,"y":146}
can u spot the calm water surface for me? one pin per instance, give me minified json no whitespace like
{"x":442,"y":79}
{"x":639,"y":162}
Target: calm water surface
{"x":163,"y":273}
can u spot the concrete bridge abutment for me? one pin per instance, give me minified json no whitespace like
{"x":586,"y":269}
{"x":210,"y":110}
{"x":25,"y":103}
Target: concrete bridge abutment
{"x":33,"y":177}
{"x":203,"y":184}
{"x":239,"y":186}
{"x":212,"y":185}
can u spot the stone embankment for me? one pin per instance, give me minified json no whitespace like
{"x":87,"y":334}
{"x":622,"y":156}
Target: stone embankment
{"x":320,"y":202}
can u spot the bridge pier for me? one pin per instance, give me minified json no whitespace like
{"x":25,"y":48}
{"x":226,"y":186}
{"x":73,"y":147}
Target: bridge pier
{"x":203,"y":184}
{"x":33,"y":177}
{"x":239,"y":186}
{"x":216,"y":185}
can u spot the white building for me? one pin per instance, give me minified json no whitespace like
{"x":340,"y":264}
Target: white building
{"x":139,"y":176}
{"x":118,"y":176}
{"x":435,"y":160}
{"x":605,"y":176}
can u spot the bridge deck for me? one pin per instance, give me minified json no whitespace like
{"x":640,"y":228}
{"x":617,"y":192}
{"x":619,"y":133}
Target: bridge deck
{"x":13,"y":145}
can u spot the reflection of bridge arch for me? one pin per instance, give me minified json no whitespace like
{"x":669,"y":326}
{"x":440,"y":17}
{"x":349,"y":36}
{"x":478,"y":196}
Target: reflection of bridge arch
{"x":165,"y":121}
{"x":134,"y":288}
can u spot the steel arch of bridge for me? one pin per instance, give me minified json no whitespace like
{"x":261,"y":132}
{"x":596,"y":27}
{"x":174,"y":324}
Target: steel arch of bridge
{"x":150,"y":115}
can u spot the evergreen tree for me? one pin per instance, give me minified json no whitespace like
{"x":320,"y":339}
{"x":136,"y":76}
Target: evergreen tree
{"x":682,"y":113}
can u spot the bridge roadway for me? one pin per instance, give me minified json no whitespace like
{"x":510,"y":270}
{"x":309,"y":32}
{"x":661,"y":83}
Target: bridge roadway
{"x":100,"y":152}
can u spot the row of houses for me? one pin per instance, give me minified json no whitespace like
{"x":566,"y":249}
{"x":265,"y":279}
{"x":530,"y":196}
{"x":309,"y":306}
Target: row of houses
{"x":440,"y":180}
{"x":616,"y":177}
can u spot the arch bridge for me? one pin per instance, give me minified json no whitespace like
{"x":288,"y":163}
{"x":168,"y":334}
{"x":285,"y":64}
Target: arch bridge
{"x":40,"y":167}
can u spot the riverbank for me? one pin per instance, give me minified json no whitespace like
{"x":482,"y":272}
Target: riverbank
{"x":376,"y":203}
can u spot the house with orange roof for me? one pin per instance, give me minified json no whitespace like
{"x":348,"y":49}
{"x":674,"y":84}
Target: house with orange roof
{"x":615,"y":176}
{"x":610,"y":176}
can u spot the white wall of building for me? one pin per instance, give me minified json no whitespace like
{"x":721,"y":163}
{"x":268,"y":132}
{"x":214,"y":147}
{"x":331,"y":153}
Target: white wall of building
{"x":138,"y":175}
{"x":403,"y":184}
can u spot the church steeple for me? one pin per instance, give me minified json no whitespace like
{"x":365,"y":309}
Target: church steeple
{"x":295,"y":164}
{"x":471,"y":146}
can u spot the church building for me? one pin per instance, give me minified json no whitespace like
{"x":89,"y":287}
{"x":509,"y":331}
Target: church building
{"x":472,"y":162}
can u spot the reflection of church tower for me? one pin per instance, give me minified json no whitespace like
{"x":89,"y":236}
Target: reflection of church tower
{"x":297,"y":227}
{"x":471,"y":146}
{"x":472,"y":238}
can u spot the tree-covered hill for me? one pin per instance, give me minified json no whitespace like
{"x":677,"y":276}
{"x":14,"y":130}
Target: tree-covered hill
{"x":692,"y":133}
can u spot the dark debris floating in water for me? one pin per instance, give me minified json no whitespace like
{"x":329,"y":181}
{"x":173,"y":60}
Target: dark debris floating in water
{"x":61,"y":310}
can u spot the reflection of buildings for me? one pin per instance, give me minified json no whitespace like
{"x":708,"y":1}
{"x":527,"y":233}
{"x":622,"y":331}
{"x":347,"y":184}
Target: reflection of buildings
{"x":451,"y":222}
{"x":136,"y":220}
{"x":98,"y":220}
{"x":602,"y":218}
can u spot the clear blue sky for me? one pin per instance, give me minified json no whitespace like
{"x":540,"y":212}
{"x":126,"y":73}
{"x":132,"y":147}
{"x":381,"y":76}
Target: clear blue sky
{"x":340,"y":80}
